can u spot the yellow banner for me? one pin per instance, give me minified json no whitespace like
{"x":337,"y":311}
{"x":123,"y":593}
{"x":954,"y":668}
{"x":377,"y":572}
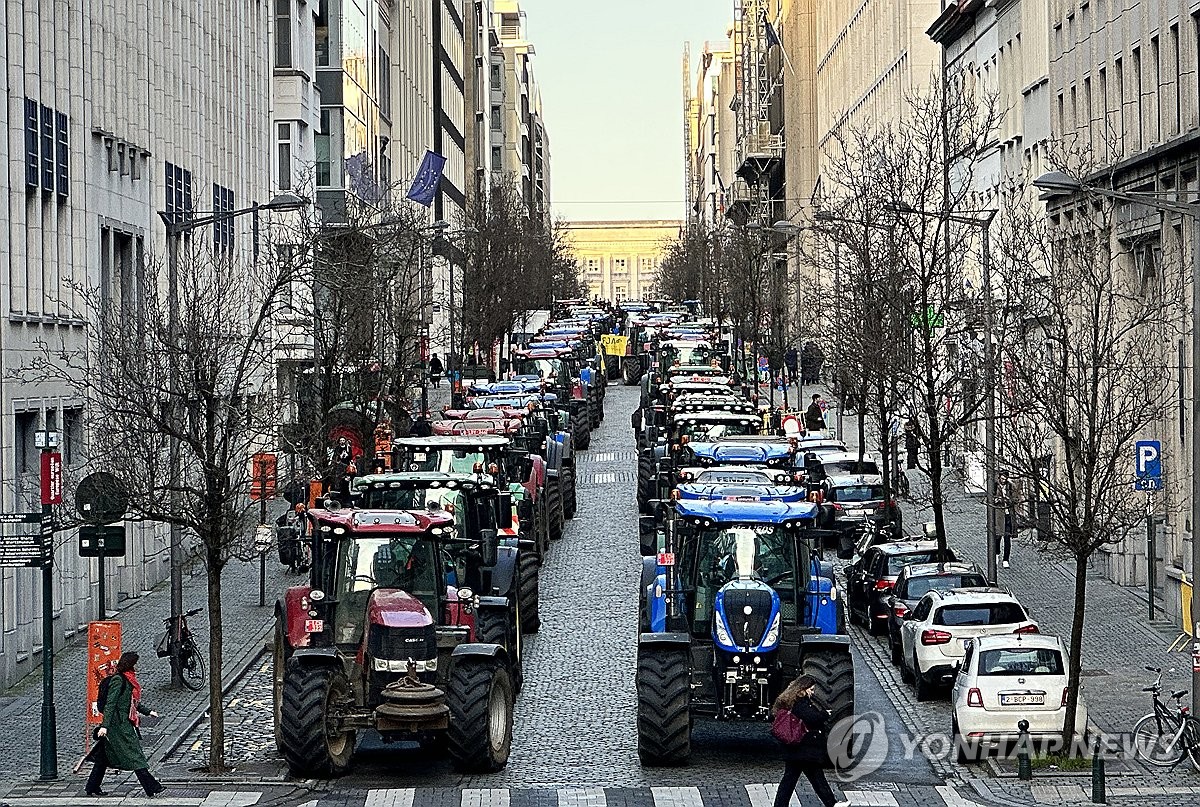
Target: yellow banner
{"x":614,"y":344}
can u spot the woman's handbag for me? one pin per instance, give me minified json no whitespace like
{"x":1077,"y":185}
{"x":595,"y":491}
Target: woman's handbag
{"x":99,"y":752}
{"x":787,"y":728}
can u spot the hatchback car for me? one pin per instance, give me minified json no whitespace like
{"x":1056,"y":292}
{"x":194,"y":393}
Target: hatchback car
{"x":918,"y":579}
{"x":935,"y":633}
{"x":1006,"y":679}
{"x":870,"y":578}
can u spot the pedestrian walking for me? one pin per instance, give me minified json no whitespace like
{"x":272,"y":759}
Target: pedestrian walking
{"x":814,"y":416}
{"x":912,"y":443}
{"x":806,"y":757}
{"x":119,"y":742}
{"x":435,"y":370}
{"x":791,"y":360}
{"x":1004,"y":516}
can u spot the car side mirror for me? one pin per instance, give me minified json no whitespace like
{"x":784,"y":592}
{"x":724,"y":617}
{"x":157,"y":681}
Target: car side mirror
{"x":648,"y":535}
{"x":489,"y":547}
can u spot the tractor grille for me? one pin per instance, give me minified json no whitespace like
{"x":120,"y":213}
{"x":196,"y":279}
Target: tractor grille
{"x":400,"y":644}
{"x":747,"y":630}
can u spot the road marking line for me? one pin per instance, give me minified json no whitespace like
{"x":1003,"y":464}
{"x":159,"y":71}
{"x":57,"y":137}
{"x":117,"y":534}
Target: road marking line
{"x":951,"y":796}
{"x":485,"y":797}
{"x":391,"y":797}
{"x":764,"y":796}
{"x":232,"y":798}
{"x":582,"y":797}
{"x":676,"y":797}
{"x":875,"y":798}
{"x":604,"y":479}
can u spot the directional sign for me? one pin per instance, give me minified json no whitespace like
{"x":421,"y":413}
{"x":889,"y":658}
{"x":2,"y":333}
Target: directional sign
{"x":20,"y":518}
{"x":21,"y":551}
{"x":1147,"y":465}
{"x":107,"y":541}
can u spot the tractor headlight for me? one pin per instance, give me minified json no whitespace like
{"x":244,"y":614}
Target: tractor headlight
{"x":773,"y":634}
{"x":316,"y":595}
{"x":722,"y":632}
{"x":833,"y":593}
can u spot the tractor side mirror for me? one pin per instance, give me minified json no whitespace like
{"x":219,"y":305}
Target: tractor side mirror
{"x":505,"y":509}
{"x":648,"y":535}
{"x":489,"y":546}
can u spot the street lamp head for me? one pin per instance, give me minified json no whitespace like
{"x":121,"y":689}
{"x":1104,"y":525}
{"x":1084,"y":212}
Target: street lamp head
{"x":786,"y":227}
{"x":1057,"y":183}
{"x":287,"y":201}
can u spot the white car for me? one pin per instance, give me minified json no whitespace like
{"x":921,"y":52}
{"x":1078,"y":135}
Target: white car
{"x":1006,"y":679}
{"x":934,"y":634}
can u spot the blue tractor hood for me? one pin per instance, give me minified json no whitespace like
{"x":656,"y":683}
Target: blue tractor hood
{"x":746,"y":617}
{"x":709,"y":512}
{"x":741,"y":493}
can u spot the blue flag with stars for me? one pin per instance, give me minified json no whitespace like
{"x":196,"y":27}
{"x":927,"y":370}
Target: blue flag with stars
{"x":429,"y":177}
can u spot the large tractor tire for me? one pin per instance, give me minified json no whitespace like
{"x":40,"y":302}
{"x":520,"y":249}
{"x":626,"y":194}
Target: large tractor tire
{"x":631,"y":371}
{"x":566,"y":481}
{"x":311,"y":692}
{"x":645,"y":482}
{"x":500,"y":626}
{"x":557,"y":516}
{"x":280,"y":653}
{"x":833,"y":671}
{"x":528,"y":593}
{"x":480,"y":696}
{"x":581,"y":432}
{"x":663,"y":691}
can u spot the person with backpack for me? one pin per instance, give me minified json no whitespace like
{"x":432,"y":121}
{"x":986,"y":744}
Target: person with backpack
{"x":119,"y":743}
{"x":799,"y":723}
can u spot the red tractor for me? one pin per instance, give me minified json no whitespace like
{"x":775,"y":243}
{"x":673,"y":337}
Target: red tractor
{"x":395,"y":634}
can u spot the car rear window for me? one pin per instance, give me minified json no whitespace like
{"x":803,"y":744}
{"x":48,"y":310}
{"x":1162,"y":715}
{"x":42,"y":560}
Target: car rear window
{"x":898,"y":562}
{"x":920,"y":586}
{"x":864,"y":468}
{"x":1021,"y":661}
{"x":856,"y":493}
{"x":993,"y":613}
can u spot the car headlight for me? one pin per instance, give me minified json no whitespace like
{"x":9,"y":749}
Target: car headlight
{"x":722,"y":632}
{"x":773,"y":633}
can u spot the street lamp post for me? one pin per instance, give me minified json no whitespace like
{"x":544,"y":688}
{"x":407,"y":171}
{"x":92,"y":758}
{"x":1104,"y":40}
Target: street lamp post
{"x":1057,"y":183}
{"x":178,"y":224}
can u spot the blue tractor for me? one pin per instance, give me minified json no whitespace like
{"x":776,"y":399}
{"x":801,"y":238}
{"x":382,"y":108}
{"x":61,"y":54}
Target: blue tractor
{"x":733,"y":607}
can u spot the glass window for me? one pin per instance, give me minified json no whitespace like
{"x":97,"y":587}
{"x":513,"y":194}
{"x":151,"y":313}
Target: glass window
{"x":1021,"y":661}
{"x":32,"y":170}
{"x":920,"y":586}
{"x":322,"y":34}
{"x":47,"y":148}
{"x":898,"y":562}
{"x":61,"y":154}
{"x":856,"y":493}
{"x":322,"y":144}
{"x":995,"y":613}
{"x":283,"y":33}
{"x":285,"y":156}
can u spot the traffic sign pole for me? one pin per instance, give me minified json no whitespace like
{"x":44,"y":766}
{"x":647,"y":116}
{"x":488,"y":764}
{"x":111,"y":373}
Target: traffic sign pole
{"x":49,"y":745}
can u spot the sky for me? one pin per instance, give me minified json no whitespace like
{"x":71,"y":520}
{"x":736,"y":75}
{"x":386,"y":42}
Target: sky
{"x":612,"y":93}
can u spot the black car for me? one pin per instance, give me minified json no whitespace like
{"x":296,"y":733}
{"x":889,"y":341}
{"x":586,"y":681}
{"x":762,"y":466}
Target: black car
{"x":915,"y":581}
{"x":870,"y":578}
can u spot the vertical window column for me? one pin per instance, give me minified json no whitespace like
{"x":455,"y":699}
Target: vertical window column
{"x":283,"y":33}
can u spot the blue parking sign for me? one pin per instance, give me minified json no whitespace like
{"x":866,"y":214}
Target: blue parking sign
{"x":1147,"y":465}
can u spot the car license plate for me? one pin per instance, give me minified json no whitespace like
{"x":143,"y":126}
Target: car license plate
{"x":1022,"y":699}
{"x":314,"y":625}
{"x":856,"y":513}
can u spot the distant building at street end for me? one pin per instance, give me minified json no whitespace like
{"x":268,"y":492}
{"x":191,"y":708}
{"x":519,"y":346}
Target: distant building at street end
{"x":619,"y":260}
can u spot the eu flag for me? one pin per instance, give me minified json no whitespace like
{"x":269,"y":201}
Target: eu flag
{"x":429,"y":177}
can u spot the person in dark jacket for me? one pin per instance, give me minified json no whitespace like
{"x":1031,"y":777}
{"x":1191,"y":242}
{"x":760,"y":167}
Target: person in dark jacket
{"x":435,"y":370}
{"x":119,"y":742}
{"x":814,"y":416}
{"x":806,"y":757}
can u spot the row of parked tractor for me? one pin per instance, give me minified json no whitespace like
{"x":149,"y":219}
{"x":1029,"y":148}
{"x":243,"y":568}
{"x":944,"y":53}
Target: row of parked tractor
{"x":426,"y":556}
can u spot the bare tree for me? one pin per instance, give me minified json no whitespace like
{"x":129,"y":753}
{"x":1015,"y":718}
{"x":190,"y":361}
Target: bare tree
{"x":1082,"y":379}
{"x":207,"y":387}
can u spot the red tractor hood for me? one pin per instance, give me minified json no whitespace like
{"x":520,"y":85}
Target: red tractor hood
{"x":393,"y":608}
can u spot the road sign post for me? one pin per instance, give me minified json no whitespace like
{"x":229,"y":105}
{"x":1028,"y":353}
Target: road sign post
{"x":101,"y":498}
{"x":48,"y":441}
{"x":1147,"y":465}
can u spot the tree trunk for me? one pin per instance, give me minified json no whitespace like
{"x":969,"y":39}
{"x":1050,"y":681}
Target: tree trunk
{"x":216,"y":705}
{"x":1075,"y":664}
{"x":935,"y":479}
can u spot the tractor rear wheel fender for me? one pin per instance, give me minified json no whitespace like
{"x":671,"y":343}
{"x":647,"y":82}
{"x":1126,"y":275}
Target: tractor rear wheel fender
{"x":480,"y":696}
{"x":504,"y":572}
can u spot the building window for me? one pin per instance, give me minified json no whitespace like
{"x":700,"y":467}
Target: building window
{"x":495,"y":77}
{"x":26,"y":443}
{"x":1155,"y":133}
{"x":283,"y":33}
{"x":222,"y":202}
{"x":496,"y":118}
{"x":72,"y":437}
{"x":1176,"y":71}
{"x":284,"y":155}
{"x":322,"y":33}
{"x":1119,"y":76}
{"x":497,"y":160}
{"x":385,"y":165}
{"x":1140,"y":127}
{"x":285,"y":257}
{"x":385,"y":83}
{"x":47,"y":149}
{"x":322,"y":143}
{"x":32,"y":170}
{"x":61,"y":154}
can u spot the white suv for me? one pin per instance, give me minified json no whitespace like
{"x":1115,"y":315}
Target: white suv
{"x":935,"y":632}
{"x":1006,"y":679}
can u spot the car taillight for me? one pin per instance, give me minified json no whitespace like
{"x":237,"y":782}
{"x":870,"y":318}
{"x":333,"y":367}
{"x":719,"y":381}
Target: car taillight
{"x":884,"y":585}
{"x":1064,"y":700}
{"x":1027,"y":629}
{"x":974,"y":697}
{"x":900,"y":609}
{"x":929,"y":637}
{"x":837,"y":506}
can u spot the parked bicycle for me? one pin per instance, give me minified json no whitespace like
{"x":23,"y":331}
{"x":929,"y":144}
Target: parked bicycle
{"x":190,"y":659}
{"x":1168,"y":734}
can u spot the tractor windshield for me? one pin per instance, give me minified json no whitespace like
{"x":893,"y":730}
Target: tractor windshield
{"x":548,"y":369}
{"x":408,"y":498}
{"x":403,"y":561}
{"x":702,"y":432}
{"x":765,"y":552}
{"x":447,"y":459}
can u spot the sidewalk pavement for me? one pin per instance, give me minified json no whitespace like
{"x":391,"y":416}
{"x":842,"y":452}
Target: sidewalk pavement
{"x":245,"y":628}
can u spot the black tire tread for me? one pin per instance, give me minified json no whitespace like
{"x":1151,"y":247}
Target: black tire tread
{"x":528,"y":592}
{"x":303,"y":721}
{"x":468,"y":695}
{"x":834,"y":673}
{"x":663,"y":690}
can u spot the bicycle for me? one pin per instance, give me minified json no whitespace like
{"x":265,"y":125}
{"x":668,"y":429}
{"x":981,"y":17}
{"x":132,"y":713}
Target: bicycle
{"x":1165,"y":736}
{"x":191,"y":660}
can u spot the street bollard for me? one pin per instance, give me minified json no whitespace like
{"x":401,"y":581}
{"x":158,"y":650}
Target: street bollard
{"x":1024,"y":766}
{"x":1099,"y":791}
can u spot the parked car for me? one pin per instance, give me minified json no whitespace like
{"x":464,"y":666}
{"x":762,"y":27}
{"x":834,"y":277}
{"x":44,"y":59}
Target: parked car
{"x":1005,"y":679}
{"x":849,"y":502}
{"x":935,"y":633}
{"x":870,"y":578}
{"x":918,"y":579}
{"x":825,"y":464}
